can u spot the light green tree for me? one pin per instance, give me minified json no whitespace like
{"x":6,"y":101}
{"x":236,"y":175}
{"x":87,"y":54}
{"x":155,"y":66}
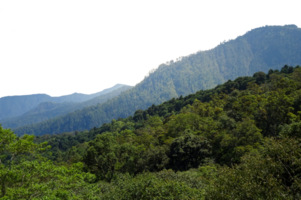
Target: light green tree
{"x":24,"y":174}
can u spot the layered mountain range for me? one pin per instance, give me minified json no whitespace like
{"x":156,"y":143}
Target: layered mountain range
{"x":260,"y":49}
{"x":45,"y":107}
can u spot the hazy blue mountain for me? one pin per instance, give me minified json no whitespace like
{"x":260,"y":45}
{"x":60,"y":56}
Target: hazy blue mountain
{"x":48,"y":110}
{"x":12,"y":106}
{"x":261,"y":49}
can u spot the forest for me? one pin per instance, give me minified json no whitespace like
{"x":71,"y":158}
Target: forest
{"x":240,"y":140}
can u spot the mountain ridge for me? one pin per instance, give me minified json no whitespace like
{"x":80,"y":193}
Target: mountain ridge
{"x":48,"y":110}
{"x":257,"y":50}
{"x":12,"y":106}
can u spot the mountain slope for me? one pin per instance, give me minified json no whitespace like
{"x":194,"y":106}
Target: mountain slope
{"x":260,"y":49}
{"x":48,"y":110}
{"x":12,"y":106}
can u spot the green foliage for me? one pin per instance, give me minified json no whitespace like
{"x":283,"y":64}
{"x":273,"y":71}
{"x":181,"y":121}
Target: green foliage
{"x":162,"y":185}
{"x":155,"y":121}
{"x":104,"y":157}
{"x":260,"y":77}
{"x":154,"y":159}
{"x":188,"y":151}
{"x":240,"y":140}
{"x":273,"y":173}
{"x":291,"y":130}
{"x":24,"y":174}
{"x":278,"y":107}
{"x":178,"y":124}
{"x":246,"y":137}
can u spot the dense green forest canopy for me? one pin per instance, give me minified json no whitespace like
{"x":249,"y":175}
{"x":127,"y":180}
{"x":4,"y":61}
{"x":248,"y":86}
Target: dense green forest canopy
{"x":240,"y":140}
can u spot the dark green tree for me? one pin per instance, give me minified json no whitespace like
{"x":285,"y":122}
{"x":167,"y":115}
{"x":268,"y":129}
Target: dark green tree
{"x":188,"y":151}
{"x":260,"y":77}
{"x":272,"y":173}
{"x":101,"y":156}
{"x":284,"y":69}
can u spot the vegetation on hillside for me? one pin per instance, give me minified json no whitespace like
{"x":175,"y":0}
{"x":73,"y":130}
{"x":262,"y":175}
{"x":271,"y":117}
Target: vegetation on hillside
{"x":240,"y":140}
{"x":260,"y":49}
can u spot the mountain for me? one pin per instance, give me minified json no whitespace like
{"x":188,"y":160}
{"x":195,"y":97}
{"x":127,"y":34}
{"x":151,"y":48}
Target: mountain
{"x":214,"y":144}
{"x":260,"y":49}
{"x":48,"y":110}
{"x":12,"y":106}
{"x":232,"y":93}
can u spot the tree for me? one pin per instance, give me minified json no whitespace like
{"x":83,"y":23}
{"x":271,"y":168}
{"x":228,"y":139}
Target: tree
{"x":101,"y":156}
{"x":155,"y":121}
{"x":291,"y":130}
{"x":179,"y":123}
{"x":125,"y":136}
{"x":284,"y":69}
{"x":260,"y":77}
{"x":188,"y":151}
{"x":13,"y":152}
{"x":278,"y":107}
{"x":271,"y":71}
{"x":72,"y":155}
{"x":154,"y":159}
{"x":104,"y":157}
{"x":272,"y":173}
{"x":138,"y":115}
{"x":128,"y":157}
{"x":290,"y":69}
{"x":246,"y":137}
{"x":297,"y":74}
{"x":24,"y":174}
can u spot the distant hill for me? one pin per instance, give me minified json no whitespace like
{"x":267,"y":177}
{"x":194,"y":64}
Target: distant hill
{"x":260,"y":49}
{"x":48,"y":110}
{"x":12,"y":106}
